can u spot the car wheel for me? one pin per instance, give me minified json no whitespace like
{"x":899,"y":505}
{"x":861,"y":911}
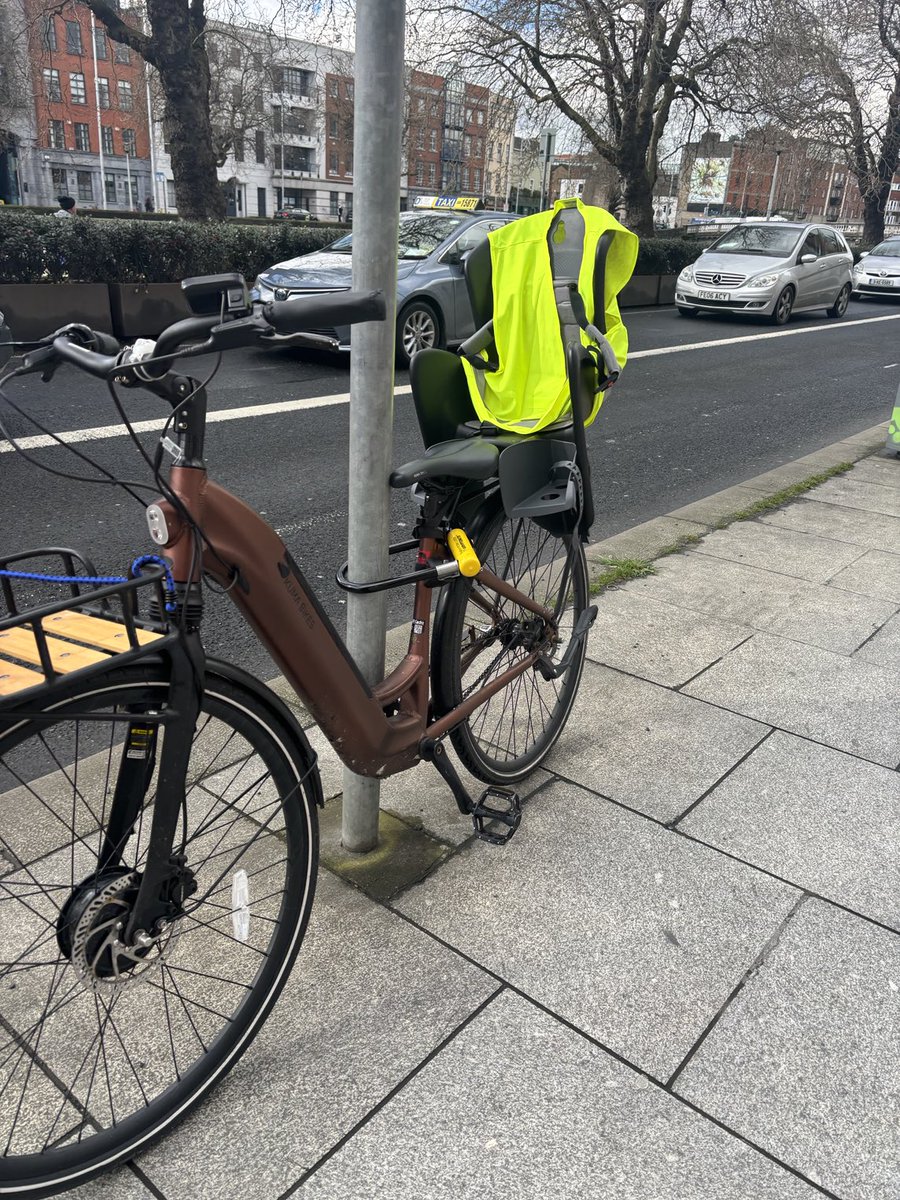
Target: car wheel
{"x":784,"y":305}
{"x":418,"y":328}
{"x":686,"y":312}
{"x":840,"y":305}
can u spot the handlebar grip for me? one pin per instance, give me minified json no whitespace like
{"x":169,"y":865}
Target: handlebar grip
{"x":312,"y":312}
{"x":106,"y":343}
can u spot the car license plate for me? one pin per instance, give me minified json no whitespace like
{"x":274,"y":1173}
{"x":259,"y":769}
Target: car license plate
{"x":703,"y":295}
{"x":883,"y":282}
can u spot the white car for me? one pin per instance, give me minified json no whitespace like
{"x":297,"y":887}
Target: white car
{"x":769,"y":270}
{"x":878,"y":271}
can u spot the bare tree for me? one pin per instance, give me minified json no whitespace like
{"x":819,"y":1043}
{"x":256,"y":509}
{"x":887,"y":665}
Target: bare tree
{"x":841,"y":82}
{"x":613,"y":68}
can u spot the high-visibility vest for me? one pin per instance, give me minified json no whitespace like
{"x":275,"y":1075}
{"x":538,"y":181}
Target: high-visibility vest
{"x":530,"y":389}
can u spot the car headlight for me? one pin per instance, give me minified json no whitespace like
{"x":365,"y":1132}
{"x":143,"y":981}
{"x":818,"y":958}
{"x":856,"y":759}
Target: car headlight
{"x":763,"y":280}
{"x":264,"y":290}
{"x":858,"y":270}
{"x":687,"y":275}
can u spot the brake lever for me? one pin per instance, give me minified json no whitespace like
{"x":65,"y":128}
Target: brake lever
{"x":44,"y":360}
{"x":313,"y":341}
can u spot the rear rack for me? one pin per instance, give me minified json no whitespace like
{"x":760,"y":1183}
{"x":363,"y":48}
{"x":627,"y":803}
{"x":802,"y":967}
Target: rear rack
{"x":43,"y":646}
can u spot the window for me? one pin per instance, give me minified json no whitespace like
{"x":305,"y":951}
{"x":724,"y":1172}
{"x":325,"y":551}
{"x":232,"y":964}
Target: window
{"x":82,"y":136}
{"x":57,"y":135}
{"x":349,"y":163}
{"x":102,"y":91}
{"x":468,"y":116}
{"x":101,"y":46}
{"x":479,"y":117}
{"x":467,"y":146}
{"x":128,"y":141}
{"x":465,"y":179}
{"x":349,"y":90}
{"x":73,"y":37}
{"x":333,"y":203}
{"x":811,"y":245}
{"x":53,"y":91}
{"x":170,"y":194}
{"x":50,"y":34}
{"x":122,"y":53}
{"x":332,"y":127}
{"x":333,"y":87}
{"x":420,"y":173}
{"x":260,"y":146}
{"x":238,"y":150}
{"x":76,"y":87}
{"x":110,"y":188}
{"x":237,"y":95}
{"x":126,"y":96}
{"x":293,"y":80}
{"x":476,"y":183}
{"x":831,"y":243}
{"x":332,"y":162}
{"x":277,"y":123}
{"x":60,"y":183}
{"x":106,"y":139}
{"x":84,"y":185}
{"x":475,"y":235}
{"x":293,"y":158}
{"x":432,"y":139}
{"x":420,"y":139}
{"x":433,"y":108}
{"x":431,"y":174}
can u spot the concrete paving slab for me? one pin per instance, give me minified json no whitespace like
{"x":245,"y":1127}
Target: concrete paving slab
{"x":821,"y":819}
{"x":630,"y":932}
{"x":846,"y":703}
{"x":656,"y":640}
{"x":648,"y":747}
{"x":765,"y":600}
{"x":645,"y":541}
{"x":838,"y":523}
{"x":875,"y":574}
{"x":519,"y":1106}
{"x":797,"y":554}
{"x":118,"y":1185}
{"x":884,"y":647}
{"x":721,"y":506}
{"x":369,"y":998}
{"x":806,"y":1060}
{"x":883,"y":471}
{"x":858,"y":493}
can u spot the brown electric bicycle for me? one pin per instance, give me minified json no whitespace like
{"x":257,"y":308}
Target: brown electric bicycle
{"x":158,"y":828}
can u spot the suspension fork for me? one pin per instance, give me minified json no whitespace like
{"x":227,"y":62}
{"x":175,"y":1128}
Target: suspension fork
{"x":163,"y":866}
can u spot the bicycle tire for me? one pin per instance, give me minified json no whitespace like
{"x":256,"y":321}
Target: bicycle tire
{"x":500,"y":743}
{"x":258,"y":781}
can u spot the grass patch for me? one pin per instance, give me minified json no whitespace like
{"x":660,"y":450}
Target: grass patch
{"x":768,"y":503}
{"x":683,"y":540}
{"x":619,"y":570}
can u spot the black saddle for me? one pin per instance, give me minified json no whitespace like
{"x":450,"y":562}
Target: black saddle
{"x":466,"y":458}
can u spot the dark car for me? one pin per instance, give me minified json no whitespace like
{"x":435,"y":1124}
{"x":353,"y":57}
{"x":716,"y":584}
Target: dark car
{"x":432,"y":302}
{"x":295,"y":214}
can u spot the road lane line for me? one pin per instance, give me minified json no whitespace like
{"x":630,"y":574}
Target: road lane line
{"x":42,"y":441}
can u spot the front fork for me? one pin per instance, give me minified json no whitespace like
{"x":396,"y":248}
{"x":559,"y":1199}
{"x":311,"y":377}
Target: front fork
{"x":164,"y":879}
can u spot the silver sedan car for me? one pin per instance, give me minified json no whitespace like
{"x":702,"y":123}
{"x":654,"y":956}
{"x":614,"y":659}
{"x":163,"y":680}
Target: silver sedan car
{"x":878,"y":272}
{"x":769,"y":269}
{"x":432,"y":302}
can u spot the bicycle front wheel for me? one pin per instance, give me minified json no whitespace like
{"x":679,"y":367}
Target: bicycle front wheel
{"x":104,"y":1047}
{"x":480,"y":635}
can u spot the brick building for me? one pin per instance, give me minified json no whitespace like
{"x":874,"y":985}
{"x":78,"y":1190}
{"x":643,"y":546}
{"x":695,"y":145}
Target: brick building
{"x":92,"y":132}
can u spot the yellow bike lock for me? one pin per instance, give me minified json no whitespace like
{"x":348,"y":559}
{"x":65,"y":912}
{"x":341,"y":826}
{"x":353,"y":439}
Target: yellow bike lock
{"x":461,"y":549}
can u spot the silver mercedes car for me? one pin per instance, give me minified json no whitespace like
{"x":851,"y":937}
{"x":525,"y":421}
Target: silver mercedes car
{"x":770,"y":269}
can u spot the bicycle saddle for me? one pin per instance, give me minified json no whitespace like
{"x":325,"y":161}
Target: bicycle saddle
{"x":468,"y":458}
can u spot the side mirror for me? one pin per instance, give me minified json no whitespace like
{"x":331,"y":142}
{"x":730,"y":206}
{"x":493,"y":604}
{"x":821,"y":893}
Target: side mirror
{"x":864,"y":253}
{"x":808,"y":258}
{"x":453,"y":256}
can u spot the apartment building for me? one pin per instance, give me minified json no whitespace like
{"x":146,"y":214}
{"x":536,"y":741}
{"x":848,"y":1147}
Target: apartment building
{"x":91,"y":135}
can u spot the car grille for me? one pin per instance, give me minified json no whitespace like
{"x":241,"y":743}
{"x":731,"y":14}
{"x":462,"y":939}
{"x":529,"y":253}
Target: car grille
{"x":718,"y":303}
{"x":719,"y":278}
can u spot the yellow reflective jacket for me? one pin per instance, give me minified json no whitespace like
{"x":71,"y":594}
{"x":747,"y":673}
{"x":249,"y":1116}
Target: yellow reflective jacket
{"x":530,"y":389}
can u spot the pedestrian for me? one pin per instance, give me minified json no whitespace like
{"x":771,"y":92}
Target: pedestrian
{"x":340,"y":212}
{"x":66,"y":207}
{"x":149,"y":205}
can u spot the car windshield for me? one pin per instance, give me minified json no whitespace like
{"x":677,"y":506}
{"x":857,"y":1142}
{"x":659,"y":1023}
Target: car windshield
{"x":889,"y":249}
{"x":420,"y":234}
{"x":757,"y":239}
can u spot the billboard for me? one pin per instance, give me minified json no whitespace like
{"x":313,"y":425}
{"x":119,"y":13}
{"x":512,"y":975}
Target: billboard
{"x":709,"y":178}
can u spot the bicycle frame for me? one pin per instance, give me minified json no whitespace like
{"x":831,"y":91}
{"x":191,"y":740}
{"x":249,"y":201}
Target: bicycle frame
{"x":376,"y":731}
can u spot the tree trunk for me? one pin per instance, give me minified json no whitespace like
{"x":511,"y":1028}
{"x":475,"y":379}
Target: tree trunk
{"x":637,"y":192}
{"x":873,"y":214}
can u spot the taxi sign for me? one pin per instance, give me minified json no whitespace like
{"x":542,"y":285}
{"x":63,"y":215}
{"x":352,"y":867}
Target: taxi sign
{"x":459,"y":203}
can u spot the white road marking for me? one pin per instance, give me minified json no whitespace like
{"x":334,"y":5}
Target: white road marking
{"x":42,"y":441}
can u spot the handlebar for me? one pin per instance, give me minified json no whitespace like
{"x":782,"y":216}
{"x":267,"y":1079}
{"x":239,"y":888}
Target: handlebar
{"x":101,"y":355}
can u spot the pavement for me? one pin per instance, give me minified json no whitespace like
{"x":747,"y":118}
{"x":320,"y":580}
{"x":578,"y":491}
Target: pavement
{"x":681,"y":979}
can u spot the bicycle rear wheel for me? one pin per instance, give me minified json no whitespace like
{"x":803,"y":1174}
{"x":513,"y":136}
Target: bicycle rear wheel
{"x":479,"y":635}
{"x":101,"y":1053}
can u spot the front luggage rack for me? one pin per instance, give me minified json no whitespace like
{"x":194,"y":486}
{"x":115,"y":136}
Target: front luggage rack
{"x":96,"y":625}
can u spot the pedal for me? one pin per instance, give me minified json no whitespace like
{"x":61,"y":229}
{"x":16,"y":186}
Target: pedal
{"x":484,"y":813}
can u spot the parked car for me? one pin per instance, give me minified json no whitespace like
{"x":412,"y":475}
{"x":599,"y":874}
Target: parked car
{"x":295,"y":214}
{"x":432,"y":302}
{"x":878,"y":271}
{"x":771,"y":270}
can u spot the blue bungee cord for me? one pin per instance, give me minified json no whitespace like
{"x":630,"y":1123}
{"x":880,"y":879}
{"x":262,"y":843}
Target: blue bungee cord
{"x":145,"y":560}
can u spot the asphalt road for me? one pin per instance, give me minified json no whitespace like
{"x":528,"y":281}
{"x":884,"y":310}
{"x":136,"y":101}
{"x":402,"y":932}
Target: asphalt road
{"x":680,"y":424}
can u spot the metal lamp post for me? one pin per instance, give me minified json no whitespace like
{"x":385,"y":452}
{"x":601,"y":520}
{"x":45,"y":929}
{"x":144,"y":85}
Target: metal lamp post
{"x":772,"y":188}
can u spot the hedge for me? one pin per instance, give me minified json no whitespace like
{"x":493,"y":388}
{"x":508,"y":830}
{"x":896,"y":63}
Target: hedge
{"x":48,"y":249}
